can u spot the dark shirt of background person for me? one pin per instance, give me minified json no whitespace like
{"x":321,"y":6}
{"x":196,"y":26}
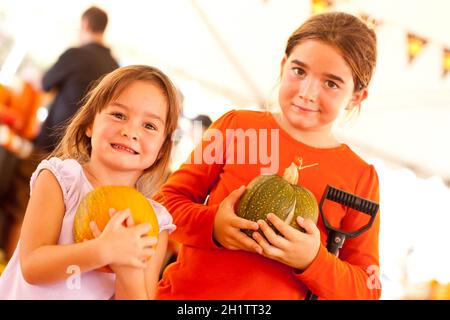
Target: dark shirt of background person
{"x":71,"y":76}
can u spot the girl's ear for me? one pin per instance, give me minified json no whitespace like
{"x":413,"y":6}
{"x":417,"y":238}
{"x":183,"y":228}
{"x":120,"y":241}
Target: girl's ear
{"x":89,"y":132}
{"x":357,"y":98}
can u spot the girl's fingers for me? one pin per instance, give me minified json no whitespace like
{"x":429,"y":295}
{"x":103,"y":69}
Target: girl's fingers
{"x":143,"y":228}
{"x":286,"y":230}
{"x":248,"y":243}
{"x":261,"y":240}
{"x":111,"y":212}
{"x":94,"y":229}
{"x":309,"y":226}
{"x":234,"y":196}
{"x":268,"y":250}
{"x":241,"y":223}
{"x":130,"y":221}
{"x":272,"y":237}
{"x":119,"y":217}
{"x":149,"y":242}
{"x":147,"y":253}
{"x":141,"y":264}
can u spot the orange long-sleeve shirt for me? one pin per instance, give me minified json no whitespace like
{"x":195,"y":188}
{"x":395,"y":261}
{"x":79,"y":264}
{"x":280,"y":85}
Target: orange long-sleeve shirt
{"x":221,"y":164}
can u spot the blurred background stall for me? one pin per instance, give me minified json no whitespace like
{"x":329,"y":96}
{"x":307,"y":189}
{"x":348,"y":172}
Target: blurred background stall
{"x":226,"y":54}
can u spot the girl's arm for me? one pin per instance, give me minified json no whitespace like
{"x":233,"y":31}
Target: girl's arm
{"x":43,"y":261}
{"x":154,"y":269}
{"x":130,"y":283}
{"x":355,"y":273}
{"x":187,"y":188}
{"x":136,"y":284}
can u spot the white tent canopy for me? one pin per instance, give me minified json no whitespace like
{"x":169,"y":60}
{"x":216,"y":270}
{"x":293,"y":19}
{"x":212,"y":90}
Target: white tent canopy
{"x":226,"y":54}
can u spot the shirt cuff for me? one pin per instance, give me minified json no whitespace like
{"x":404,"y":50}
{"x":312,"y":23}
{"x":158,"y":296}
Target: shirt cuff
{"x":212,"y":211}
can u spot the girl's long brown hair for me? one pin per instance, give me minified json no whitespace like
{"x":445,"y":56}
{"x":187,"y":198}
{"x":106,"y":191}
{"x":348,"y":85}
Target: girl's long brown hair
{"x":76,"y":145}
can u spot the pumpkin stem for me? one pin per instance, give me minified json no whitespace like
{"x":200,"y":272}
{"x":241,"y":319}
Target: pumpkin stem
{"x":291,"y":172}
{"x":301,"y":166}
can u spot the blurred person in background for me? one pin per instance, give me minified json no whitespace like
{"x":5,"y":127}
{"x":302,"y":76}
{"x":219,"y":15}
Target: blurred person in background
{"x":70,"y":78}
{"x":73,"y":73}
{"x":205,"y":121}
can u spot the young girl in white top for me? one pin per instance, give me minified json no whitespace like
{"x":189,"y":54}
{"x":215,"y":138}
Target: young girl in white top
{"x":120,"y":136}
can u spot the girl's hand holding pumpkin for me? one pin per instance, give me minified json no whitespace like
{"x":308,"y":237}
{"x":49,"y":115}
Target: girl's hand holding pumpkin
{"x":227,"y":225}
{"x":126,"y":244}
{"x":293,"y":247}
{"x":128,"y":278}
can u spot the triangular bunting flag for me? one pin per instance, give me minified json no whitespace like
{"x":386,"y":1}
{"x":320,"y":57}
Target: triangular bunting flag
{"x":320,"y":6}
{"x":415,"y":46}
{"x":445,"y":62}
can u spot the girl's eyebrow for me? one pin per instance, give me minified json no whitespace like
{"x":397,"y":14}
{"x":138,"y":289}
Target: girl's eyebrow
{"x":329,"y":75}
{"x":148,"y":114}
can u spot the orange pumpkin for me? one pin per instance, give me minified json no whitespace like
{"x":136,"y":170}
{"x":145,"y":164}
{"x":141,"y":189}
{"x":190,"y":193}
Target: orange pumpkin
{"x":96,"y":204}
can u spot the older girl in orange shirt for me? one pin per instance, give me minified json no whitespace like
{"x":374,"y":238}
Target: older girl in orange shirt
{"x":326,"y":69}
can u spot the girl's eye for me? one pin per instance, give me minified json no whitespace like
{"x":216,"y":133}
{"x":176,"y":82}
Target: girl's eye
{"x":118,"y":115}
{"x":150,"y":126}
{"x":298,"y":71}
{"x":331,"y":84}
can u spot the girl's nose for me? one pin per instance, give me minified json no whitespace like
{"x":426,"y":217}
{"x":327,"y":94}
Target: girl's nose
{"x":308,"y":90}
{"x":130,"y":134}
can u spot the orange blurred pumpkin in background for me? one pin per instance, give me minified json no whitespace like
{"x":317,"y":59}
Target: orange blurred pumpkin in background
{"x":95,"y":207}
{"x":18,"y":109}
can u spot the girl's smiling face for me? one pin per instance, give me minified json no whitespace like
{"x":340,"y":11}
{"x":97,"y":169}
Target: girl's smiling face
{"x":316,"y":84}
{"x":129,"y":132}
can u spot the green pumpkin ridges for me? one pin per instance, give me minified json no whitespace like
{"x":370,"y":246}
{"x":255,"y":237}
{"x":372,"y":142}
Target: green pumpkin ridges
{"x":249,"y":192}
{"x":306,"y":206}
{"x":274,"y":196}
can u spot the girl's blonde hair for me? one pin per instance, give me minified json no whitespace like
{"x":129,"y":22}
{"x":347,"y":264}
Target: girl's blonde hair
{"x":75,"y":144}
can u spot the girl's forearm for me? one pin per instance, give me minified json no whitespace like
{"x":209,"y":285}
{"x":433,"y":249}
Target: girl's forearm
{"x":130,"y":285}
{"x":52,"y":263}
{"x":155,"y":264}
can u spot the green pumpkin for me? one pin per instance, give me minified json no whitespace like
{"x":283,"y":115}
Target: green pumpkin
{"x":279,"y":195}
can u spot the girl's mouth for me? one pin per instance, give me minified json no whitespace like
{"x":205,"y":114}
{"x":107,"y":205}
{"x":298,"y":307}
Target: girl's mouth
{"x":123,"y":148}
{"x":304,"y":109}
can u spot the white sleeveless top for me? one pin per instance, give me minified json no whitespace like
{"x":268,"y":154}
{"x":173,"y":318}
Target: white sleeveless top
{"x":90,"y":285}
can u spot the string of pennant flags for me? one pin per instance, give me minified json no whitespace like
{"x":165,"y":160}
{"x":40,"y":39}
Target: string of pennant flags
{"x":415,"y":43}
